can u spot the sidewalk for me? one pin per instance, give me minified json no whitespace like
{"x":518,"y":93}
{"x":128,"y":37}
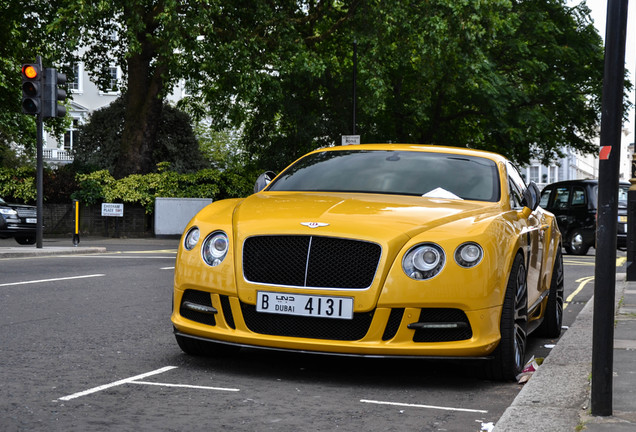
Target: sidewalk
{"x":557,"y":397}
{"x":48,"y":248}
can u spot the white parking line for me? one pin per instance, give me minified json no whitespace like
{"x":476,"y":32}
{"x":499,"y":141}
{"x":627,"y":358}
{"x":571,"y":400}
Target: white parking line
{"x":185,"y":386}
{"x":51,"y":280}
{"x":117,"y":383}
{"x":422,"y":406}
{"x":166,"y":268}
{"x":136,"y":380}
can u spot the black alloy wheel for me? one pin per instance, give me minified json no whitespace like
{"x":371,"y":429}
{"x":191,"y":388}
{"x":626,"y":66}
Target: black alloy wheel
{"x":553,"y":317}
{"x":509,"y":356}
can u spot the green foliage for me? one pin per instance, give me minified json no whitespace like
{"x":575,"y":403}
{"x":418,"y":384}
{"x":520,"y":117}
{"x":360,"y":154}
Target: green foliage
{"x":520,"y":78}
{"x":25,"y":35}
{"x":18,"y":184}
{"x":101,"y":186}
{"x":99,"y":141}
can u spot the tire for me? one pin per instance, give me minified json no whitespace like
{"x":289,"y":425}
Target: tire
{"x":509,"y":356}
{"x":25,"y":240}
{"x":576,"y":243}
{"x":200,"y":348}
{"x":553,"y":317}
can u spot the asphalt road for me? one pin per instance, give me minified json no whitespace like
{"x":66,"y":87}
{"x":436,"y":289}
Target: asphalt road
{"x":86,"y":344}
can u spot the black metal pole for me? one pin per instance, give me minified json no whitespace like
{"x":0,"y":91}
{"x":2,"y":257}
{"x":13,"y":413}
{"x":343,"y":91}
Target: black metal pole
{"x":355,"y":78}
{"x":631,"y":224}
{"x":39,"y":188}
{"x":609,"y":161}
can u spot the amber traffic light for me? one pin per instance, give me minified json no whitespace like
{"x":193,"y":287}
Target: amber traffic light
{"x":31,"y":89}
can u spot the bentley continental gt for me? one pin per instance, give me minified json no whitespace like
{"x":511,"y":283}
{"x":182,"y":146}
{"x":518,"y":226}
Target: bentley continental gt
{"x":379,"y":250}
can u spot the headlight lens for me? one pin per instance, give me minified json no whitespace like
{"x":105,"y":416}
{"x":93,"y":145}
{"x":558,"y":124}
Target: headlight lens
{"x":424,"y":261}
{"x":192,"y":238}
{"x":8,"y":211}
{"x":469,"y":254}
{"x":215,"y":248}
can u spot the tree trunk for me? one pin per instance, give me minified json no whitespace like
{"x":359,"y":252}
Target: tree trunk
{"x":144,"y":103}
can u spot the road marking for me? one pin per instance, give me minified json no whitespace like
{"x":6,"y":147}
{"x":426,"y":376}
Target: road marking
{"x":185,"y":386}
{"x":130,"y":257}
{"x":117,"y":383}
{"x":590,"y":261}
{"x":579,"y":262}
{"x":582,"y":282}
{"x":51,"y":280}
{"x":422,"y":406}
{"x":166,"y":268}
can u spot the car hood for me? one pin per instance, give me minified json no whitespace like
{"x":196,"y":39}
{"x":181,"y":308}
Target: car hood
{"x":363,"y":216}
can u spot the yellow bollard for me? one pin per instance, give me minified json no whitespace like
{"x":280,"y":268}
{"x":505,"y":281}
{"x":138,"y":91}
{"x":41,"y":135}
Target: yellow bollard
{"x":76,"y":238}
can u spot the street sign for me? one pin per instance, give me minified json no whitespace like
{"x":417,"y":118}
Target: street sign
{"x":113,"y":209}
{"x":350,"y":139}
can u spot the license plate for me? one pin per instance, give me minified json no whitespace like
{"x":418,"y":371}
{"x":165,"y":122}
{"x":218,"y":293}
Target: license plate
{"x":622,"y":219}
{"x":31,"y":220}
{"x":305,"y":305}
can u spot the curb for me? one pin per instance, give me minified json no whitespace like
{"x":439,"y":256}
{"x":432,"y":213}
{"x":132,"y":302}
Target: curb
{"x":25,"y":252}
{"x":558,"y":394}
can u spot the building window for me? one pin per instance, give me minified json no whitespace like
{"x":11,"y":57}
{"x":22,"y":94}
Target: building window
{"x":553,"y":175}
{"x":70,"y":136}
{"x":75,"y":86}
{"x":534,"y":174}
{"x":113,"y":79}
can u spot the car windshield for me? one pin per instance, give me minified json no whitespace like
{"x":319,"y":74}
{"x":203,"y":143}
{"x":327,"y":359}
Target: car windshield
{"x":2,"y":201}
{"x":435,"y":175}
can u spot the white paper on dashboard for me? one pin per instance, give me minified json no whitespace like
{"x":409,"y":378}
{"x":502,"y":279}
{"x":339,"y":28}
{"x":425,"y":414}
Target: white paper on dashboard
{"x":440,"y":193}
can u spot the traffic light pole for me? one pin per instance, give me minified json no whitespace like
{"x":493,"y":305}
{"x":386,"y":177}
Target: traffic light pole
{"x":39,"y":185}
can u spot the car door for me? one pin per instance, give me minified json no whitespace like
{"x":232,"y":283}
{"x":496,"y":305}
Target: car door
{"x":534,"y":227}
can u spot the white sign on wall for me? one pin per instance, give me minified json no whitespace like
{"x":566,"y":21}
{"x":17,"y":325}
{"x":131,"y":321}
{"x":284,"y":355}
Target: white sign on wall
{"x":113,"y":209}
{"x":350,"y":139}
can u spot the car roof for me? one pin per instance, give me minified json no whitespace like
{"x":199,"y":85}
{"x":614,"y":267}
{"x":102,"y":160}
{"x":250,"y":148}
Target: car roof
{"x":419,"y":147}
{"x":589,"y":182}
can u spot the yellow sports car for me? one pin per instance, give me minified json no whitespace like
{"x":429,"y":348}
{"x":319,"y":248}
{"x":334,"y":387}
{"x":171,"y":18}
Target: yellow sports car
{"x":378,"y":250}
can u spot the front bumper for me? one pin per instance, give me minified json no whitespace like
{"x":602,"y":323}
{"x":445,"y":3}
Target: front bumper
{"x":383,"y":332}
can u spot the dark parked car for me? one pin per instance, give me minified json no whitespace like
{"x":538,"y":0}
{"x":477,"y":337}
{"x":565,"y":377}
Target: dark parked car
{"x":574,"y":204}
{"x":18,"y":221}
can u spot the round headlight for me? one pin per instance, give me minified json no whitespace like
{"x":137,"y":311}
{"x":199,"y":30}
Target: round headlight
{"x":424,"y":261}
{"x":215,"y":248}
{"x":192,"y":238}
{"x":469,"y":255}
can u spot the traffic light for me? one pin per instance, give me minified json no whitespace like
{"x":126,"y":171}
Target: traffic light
{"x":31,"y":89}
{"x":52,"y":94}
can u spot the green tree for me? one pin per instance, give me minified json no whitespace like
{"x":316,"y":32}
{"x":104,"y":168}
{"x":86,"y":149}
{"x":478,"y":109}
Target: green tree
{"x":522,"y":78}
{"x":100,"y":140}
{"x":24,"y":36}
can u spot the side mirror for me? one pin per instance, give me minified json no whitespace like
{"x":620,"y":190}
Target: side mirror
{"x":263,"y":180}
{"x":531,"y":196}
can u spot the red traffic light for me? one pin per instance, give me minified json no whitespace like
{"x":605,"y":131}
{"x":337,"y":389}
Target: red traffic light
{"x":30,"y":71}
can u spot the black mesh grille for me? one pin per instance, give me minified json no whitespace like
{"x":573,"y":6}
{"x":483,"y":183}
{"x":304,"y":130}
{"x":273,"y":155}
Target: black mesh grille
{"x":323,"y":262}
{"x":443,"y":335}
{"x":227,"y":311}
{"x":200,"y":298}
{"x":25,"y":212}
{"x":393,"y":324}
{"x":307,"y":327}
